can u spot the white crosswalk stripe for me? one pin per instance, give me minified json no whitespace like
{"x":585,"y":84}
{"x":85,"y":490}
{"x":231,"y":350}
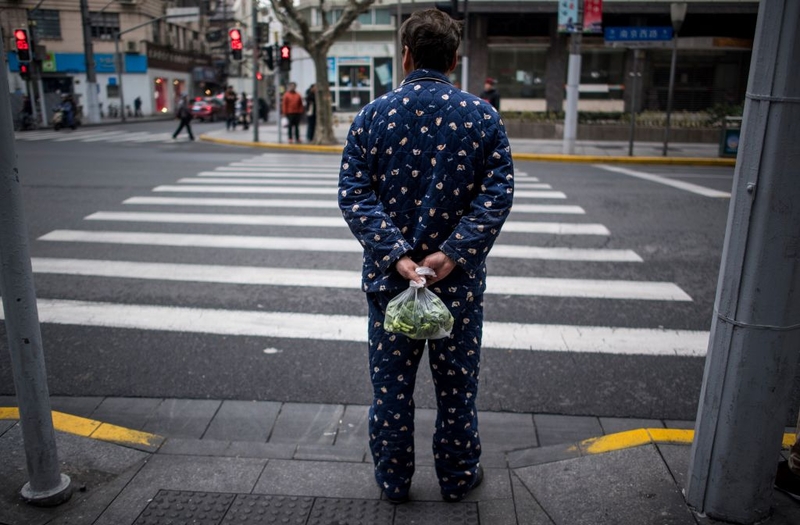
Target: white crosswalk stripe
{"x":272,"y":174}
{"x":95,"y":135}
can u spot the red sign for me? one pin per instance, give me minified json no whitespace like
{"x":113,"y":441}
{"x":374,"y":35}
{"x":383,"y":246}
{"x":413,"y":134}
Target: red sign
{"x":593,"y":16}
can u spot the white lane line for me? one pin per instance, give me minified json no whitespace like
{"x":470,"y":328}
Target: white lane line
{"x":81,"y":135}
{"x":245,"y":189}
{"x":104,"y":136}
{"x":37,"y":135}
{"x":264,"y":182}
{"x":548,"y":208}
{"x":531,"y":186}
{"x":253,"y":275}
{"x":540,"y":194}
{"x":238,"y":203}
{"x":555,"y":228}
{"x":263,"y":174}
{"x":679,"y":184}
{"x":131,"y":137}
{"x":253,"y":242}
{"x":514,"y":336}
{"x":159,"y":137}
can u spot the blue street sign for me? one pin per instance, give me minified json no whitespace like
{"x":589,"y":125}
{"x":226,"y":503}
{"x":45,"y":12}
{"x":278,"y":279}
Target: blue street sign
{"x":638,"y":34}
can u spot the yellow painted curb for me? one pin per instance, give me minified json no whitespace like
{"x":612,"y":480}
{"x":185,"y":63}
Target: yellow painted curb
{"x":81,"y":426}
{"x":645,"y":436}
{"x":543,"y":157}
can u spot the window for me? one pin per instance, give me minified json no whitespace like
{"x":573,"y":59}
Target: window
{"x":519,"y":70}
{"x":48,"y":23}
{"x":365,"y":18}
{"x":383,"y":17}
{"x":104,"y":25}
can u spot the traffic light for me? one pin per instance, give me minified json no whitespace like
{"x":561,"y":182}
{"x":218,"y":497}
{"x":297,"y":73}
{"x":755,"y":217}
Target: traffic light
{"x":285,"y":57}
{"x":235,"y":35}
{"x":25,"y":70}
{"x":22,"y":43}
{"x":269,"y":56}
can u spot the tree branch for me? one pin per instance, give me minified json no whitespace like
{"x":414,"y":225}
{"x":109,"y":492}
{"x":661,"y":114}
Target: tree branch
{"x":351,"y":12}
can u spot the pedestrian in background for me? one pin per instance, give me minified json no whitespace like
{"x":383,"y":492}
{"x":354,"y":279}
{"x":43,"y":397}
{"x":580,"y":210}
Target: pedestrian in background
{"x":137,"y":107}
{"x":311,"y":111}
{"x":292,"y":107}
{"x":490,"y":93}
{"x":787,"y":479}
{"x":184,"y":114}
{"x":426,"y":181}
{"x":243,"y":113}
{"x":230,"y":109}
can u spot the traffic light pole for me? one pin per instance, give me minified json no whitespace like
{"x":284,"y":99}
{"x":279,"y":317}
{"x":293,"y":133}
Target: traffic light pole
{"x":256,"y":47}
{"x":92,"y":104}
{"x":47,"y":486}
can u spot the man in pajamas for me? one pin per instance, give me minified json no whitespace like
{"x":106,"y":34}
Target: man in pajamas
{"x":426,"y":180}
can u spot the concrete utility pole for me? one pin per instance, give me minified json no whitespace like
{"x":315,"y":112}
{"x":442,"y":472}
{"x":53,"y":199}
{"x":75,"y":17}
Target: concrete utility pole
{"x":256,"y":48}
{"x":755,"y":334}
{"x":92,"y":105}
{"x":573,"y":83}
{"x":47,"y":486}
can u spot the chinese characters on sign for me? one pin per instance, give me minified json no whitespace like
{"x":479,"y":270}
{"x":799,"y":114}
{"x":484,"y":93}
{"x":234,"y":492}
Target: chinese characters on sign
{"x":593,"y":16}
{"x":638,"y":34}
{"x":567,"y":16}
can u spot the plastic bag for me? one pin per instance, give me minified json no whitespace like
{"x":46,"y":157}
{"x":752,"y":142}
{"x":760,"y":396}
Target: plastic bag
{"x":418,"y":313}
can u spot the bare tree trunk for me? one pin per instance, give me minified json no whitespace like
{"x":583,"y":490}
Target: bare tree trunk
{"x":324,"y":130}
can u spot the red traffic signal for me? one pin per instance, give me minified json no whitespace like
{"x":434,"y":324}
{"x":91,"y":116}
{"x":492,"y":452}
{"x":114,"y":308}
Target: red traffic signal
{"x":24,"y":70}
{"x":22,"y":43}
{"x":285,"y":57}
{"x":235,"y":36}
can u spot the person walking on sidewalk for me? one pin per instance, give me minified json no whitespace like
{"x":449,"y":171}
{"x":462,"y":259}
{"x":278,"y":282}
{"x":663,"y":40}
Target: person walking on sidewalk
{"x":230,"y":109}
{"x":311,"y":111}
{"x":490,"y":93}
{"x":185,"y":116}
{"x":426,"y":180}
{"x":243,"y":113}
{"x":137,"y":107}
{"x":787,"y":480}
{"x":292,"y":107}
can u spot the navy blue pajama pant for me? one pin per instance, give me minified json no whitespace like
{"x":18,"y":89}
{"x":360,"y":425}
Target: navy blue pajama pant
{"x":455,"y":363}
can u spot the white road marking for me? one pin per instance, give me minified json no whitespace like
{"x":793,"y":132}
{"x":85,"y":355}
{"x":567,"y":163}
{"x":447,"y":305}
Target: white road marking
{"x":282,"y":190}
{"x":253,"y":242}
{"x":513,"y":336}
{"x":239,"y":203}
{"x":539,"y":194}
{"x":679,"y":184}
{"x":81,"y":135}
{"x":266,"y":182}
{"x":260,"y":276}
{"x":104,"y":136}
{"x":555,"y":228}
{"x":264,"y":174}
{"x":131,"y":137}
{"x":548,"y":208}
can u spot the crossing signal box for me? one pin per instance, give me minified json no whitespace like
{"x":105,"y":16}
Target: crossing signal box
{"x":269,"y":56}
{"x":235,"y":36}
{"x":22,"y":44}
{"x":25,"y":70}
{"x":285,"y":57}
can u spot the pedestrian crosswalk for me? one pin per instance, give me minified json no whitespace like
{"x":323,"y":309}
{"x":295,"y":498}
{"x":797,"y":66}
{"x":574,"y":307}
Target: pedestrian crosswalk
{"x":95,"y":135}
{"x":207,"y":221}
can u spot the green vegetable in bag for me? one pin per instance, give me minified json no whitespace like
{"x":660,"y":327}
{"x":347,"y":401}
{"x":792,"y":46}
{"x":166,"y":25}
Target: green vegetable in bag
{"x":418,"y":313}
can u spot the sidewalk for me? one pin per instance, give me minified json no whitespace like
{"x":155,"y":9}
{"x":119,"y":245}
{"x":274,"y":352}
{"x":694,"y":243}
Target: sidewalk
{"x":522,"y":149}
{"x":214,"y":462}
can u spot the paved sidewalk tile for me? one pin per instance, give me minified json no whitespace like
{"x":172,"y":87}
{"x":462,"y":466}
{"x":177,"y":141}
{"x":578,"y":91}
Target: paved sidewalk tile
{"x":555,"y":429}
{"x":129,"y":412}
{"x":541,"y":455}
{"x":184,"y":473}
{"x":424,"y":425}
{"x":243,"y":421}
{"x":8,"y":401}
{"x":633,"y":486}
{"x":506,"y":430}
{"x":76,"y":406}
{"x":318,"y":478}
{"x":354,"y":427}
{"x":186,"y":418}
{"x":526,"y":504}
{"x":498,"y":512}
{"x":350,"y":454}
{"x":683,"y":425}
{"x":496,"y":486}
{"x":230,"y":449}
{"x":6,"y":424}
{"x":613,"y":425}
{"x":307,"y":424}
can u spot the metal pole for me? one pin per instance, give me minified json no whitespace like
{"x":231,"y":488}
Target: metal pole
{"x":42,"y":108}
{"x":465,"y":55}
{"x":755,"y":335}
{"x":573,"y":83}
{"x":256,"y":47}
{"x":47,"y":486}
{"x":634,"y":88}
{"x":92,"y":106}
{"x":669,"y":92}
{"x":120,"y":67}
{"x":278,"y":96}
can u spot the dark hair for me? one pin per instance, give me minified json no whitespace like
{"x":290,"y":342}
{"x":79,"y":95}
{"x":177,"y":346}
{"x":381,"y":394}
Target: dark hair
{"x":432,"y":37}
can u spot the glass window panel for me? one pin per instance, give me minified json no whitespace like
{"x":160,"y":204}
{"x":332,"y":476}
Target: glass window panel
{"x":48,"y":23}
{"x":104,"y":25}
{"x":365,"y":18}
{"x":383,"y":17}
{"x":519,"y":71}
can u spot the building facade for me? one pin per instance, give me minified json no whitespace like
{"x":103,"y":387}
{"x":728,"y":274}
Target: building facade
{"x":162,"y":60}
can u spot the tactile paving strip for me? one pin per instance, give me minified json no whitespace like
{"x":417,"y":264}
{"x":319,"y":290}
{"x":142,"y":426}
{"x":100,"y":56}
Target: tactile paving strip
{"x":250,"y":509}
{"x":351,"y":512}
{"x":414,"y":513}
{"x":171,"y":507}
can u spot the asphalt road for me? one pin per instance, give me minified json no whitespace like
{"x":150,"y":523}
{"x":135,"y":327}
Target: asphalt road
{"x":677,"y":234}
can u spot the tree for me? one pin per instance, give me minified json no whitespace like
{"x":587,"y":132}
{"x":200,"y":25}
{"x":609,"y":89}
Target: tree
{"x":317,"y":45}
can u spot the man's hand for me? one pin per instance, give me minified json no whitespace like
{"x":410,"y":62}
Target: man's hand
{"x":439,"y":263}
{"x":407,"y":268}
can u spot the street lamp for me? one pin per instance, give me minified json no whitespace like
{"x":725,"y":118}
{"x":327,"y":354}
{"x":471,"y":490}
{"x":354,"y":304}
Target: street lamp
{"x":677,"y":12}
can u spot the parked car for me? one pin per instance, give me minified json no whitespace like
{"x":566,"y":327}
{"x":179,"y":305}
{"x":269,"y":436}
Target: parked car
{"x":209,"y":108}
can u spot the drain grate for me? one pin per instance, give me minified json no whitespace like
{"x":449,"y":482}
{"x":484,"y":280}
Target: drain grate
{"x":351,"y":512}
{"x":172,"y":507}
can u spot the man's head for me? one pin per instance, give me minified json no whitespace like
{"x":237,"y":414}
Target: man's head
{"x":432,"y":39}
{"x":292,"y":86}
{"x":489,"y":84}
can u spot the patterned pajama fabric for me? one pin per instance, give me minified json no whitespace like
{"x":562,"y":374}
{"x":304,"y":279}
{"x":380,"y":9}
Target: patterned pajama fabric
{"x":426,"y":168}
